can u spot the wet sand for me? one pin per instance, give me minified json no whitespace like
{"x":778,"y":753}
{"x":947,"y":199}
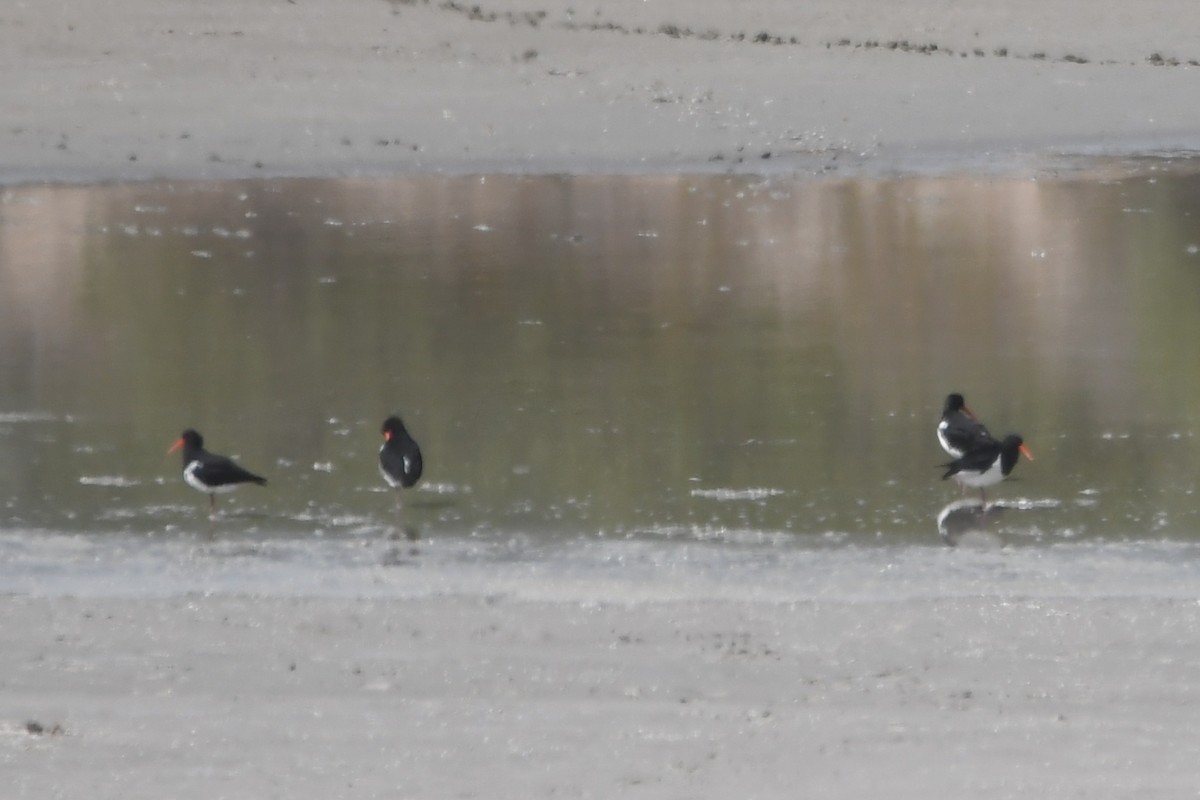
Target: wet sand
{"x":461,"y":696}
{"x":247,"y":697}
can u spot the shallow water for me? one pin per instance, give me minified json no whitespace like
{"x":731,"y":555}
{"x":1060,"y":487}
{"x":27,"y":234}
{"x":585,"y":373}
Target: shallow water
{"x":704,"y":376}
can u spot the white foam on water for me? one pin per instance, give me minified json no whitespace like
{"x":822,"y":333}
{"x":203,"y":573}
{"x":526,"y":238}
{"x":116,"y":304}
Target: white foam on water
{"x":737,"y":494}
{"x":13,"y":417}
{"x":116,"y":481}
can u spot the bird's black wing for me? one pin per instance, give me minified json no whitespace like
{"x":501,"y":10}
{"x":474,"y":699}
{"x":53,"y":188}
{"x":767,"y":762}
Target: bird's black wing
{"x":413,"y":464}
{"x":218,"y":470}
{"x":978,"y":460}
{"x":965,"y":434}
{"x":402,"y":461}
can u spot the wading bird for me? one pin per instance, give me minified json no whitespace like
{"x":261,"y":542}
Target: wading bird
{"x":958,"y":431}
{"x":208,"y":472}
{"x":400,"y":461}
{"x":987,"y":464}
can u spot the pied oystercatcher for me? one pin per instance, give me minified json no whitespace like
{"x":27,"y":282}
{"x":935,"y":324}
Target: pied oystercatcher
{"x":959,"y":432}
{"x":400,"y":461}
{"x":987,"y":464}
{"x":208,"y":472}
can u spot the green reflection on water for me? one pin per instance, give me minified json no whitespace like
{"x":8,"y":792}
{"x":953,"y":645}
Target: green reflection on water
{"x":602,"y":355}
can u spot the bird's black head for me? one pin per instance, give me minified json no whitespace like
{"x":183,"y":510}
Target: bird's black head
{"x":1015,"y":444}
{"x":189,"y":439}
{"x":393,"y":428}
{"x":954,"y":402}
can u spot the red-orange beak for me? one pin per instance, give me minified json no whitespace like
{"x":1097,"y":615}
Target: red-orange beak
{"x":1026,"y":452}
{"x":387,"y":436}
{"x":969,"y":412}
{"x":178,"y":444}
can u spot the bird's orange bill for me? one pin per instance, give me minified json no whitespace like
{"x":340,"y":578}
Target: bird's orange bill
{"x":178,"y":444}
{"x":1026,"y":452}
{"x":968,"y":412}
{"x":387,"y":436}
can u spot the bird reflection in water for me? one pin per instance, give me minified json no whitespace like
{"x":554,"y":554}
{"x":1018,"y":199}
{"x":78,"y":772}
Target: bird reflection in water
{"x":971,"y":523}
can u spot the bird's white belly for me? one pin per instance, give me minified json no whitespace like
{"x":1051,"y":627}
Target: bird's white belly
{"x":979,"y":480}
{"x":189,"y":475}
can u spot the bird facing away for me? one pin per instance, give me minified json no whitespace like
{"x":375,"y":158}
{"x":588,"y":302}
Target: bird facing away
{"x":959,"y":432}
{"x":208,"y":472}
{"x":400,"y":461}
{"x":987,"y":464}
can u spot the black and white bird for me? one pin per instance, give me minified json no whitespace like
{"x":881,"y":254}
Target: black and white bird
{"x":987,"y":464}
{"x":958,"y":431}
{"x":400,"y":461}
{"x":208,"y":472}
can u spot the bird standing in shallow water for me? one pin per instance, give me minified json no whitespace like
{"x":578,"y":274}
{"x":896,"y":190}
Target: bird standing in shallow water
{"x":958,"y":431}
{"x":987,"y":464}
{"x":400,"y":461}
{"x":208,"y":472}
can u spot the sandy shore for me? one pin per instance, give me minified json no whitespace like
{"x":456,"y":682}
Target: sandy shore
{"x":241,"y":697}
{"x":316,"y":87}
